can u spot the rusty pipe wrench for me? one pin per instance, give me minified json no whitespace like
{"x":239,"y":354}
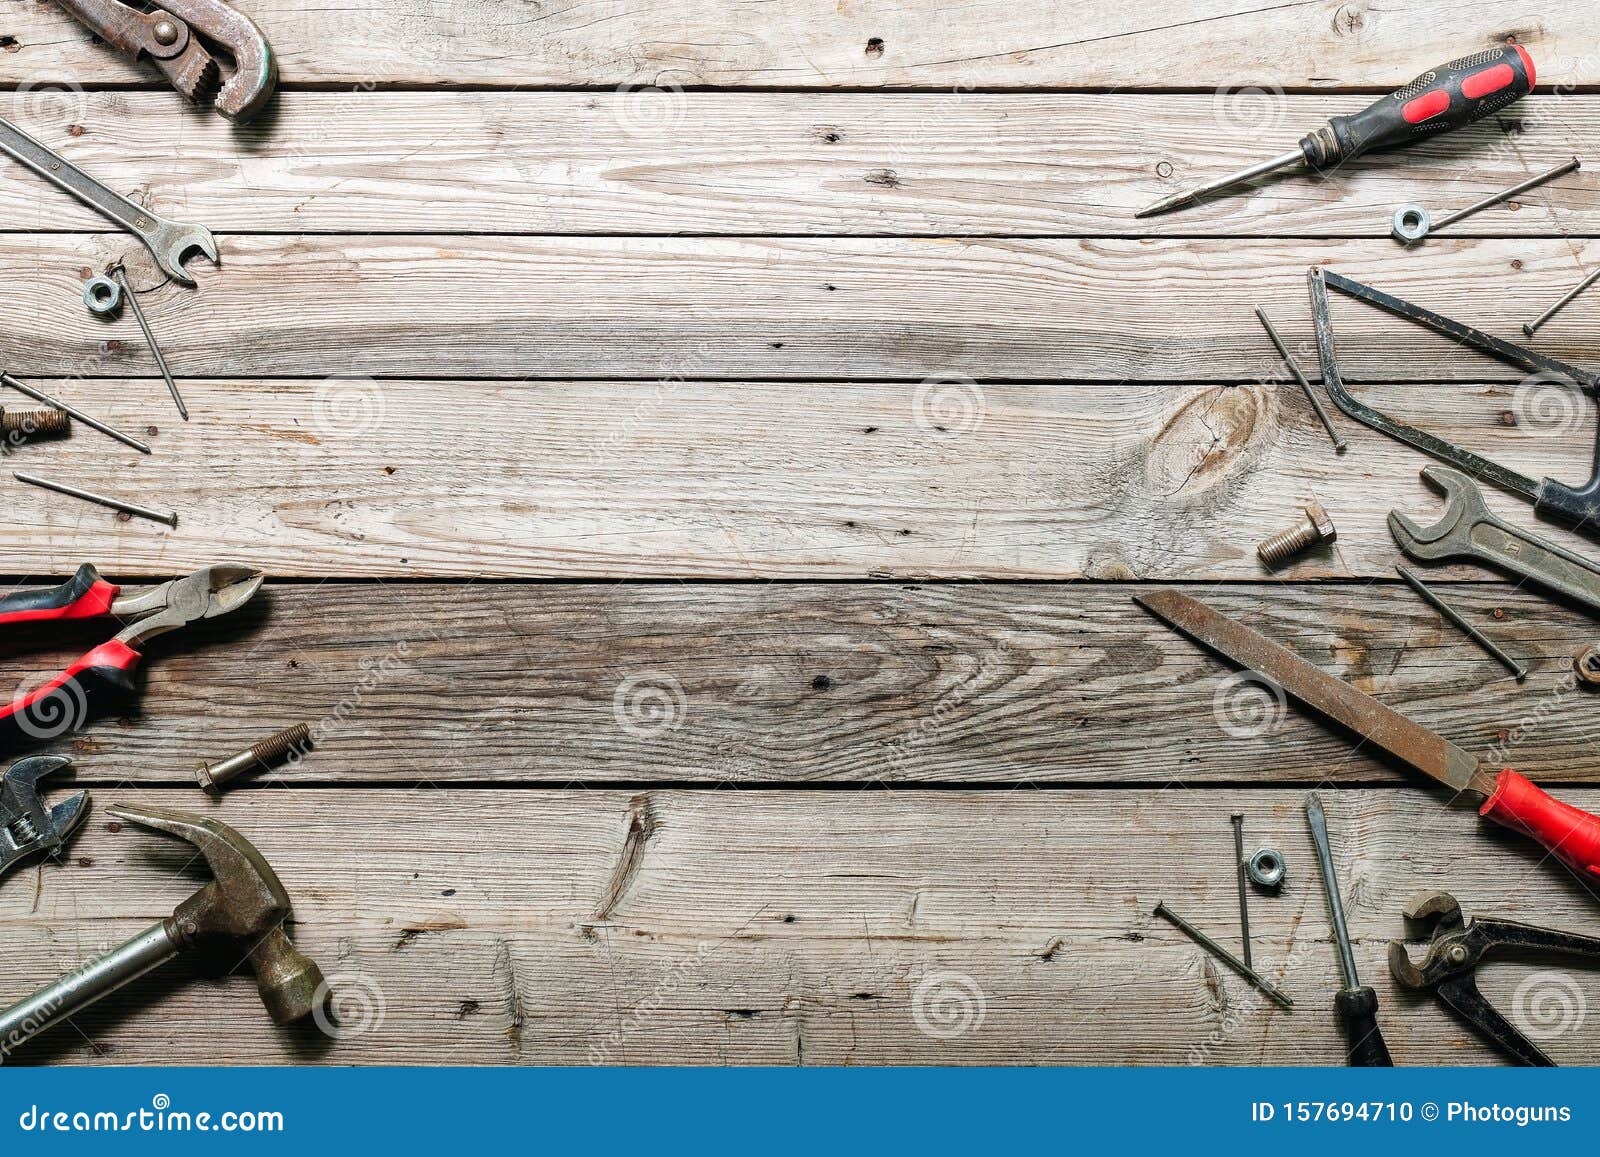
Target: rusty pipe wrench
{"x":181,"y":38}
{"x":1467,"y":530}
{"x":169,"y":242}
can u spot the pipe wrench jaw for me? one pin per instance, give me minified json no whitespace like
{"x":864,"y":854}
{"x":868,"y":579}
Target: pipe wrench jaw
{"x":182,"y":38}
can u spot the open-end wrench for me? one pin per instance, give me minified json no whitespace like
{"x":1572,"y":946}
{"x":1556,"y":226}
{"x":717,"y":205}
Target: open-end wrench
{"x":168,"y":241}
{"x":1467,"y":530}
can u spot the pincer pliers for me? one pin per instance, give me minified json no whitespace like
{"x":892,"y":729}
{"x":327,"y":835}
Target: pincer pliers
{"x":59,"y":704}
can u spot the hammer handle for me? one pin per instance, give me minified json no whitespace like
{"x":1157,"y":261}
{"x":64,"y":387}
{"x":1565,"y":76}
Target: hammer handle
{"x":73,"y":993}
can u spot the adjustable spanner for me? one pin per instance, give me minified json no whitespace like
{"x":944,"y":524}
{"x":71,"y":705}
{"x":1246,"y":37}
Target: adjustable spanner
{"x":26,"y":827}
{"x":1467,"y":530}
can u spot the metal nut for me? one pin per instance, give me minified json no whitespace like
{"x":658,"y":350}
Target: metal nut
{"x":1266,"y":867}
{"x":102,"y":295}
{"x":1411,"y":223}
{"x":1586,"y":665}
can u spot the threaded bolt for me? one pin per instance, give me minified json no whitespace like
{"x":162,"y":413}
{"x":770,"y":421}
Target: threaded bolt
{"x":1281,"y":547}
{"x":35,"y":423}
{"x":263,"y":754}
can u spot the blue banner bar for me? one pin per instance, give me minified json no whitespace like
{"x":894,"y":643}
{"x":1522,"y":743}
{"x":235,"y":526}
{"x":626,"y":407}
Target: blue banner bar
{"x":759,"y":1111}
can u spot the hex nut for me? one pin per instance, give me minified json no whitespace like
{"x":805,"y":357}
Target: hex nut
{"x":1265,"y":867}
{"x":1586,"y":665}
{"x":1411,"y":223}
{"x":102,"y":295}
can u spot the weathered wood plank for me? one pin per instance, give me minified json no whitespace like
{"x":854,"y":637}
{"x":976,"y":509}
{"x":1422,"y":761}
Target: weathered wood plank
{"x":352,"y":477}
{"x":1015,"y":684}
{"x":809,"y":43}
{"x":750,"y":163}
{"x":793,"y":927}
{"x":516,"y":307}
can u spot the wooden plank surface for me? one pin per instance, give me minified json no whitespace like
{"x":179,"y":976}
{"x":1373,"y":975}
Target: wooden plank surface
{"x":819,"y":43}
{"x":852,"y":308}
{"x":948,"y":479}
{"x":804,"y":163}
{"x":802,"y":684}
{"x":526,"y":295}
{"x":784,"y":928}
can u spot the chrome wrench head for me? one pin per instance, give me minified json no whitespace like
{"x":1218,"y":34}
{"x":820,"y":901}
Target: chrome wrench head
{"x":170,"y":242}
{"x":1450,"y":535}
{"x":26,"y":827}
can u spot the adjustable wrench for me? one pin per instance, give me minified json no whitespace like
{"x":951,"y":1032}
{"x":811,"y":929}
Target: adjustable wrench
{"x":168,"y":241}
{"x":1468,"y":531}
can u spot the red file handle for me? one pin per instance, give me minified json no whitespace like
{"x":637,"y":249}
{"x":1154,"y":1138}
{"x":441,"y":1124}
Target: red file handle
{"x":83,"y":596}
{"x":1571,"y":834}
{"x":59,"y":706}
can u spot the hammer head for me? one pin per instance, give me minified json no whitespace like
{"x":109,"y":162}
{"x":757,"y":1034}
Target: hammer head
{"x":245,"y":904}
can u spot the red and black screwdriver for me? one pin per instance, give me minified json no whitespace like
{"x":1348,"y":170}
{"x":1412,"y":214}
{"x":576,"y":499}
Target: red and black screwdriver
{"x":1441,"y":99}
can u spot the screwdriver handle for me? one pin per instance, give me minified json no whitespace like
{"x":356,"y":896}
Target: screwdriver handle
{"x":1358,"y":1009}
{"x":1441,"y":99}
{"x":1571,"y":834}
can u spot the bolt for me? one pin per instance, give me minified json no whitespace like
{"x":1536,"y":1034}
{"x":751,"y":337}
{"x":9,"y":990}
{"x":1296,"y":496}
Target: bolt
{"x":273,"y":749}
{"x":1284,"y":545}
{"x":35,"y":423}
{"x":1586,"y":665}
{"x":165,"y":32}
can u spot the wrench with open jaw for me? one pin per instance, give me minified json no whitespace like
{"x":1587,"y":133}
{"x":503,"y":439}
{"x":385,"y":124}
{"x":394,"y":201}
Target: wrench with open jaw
{"x":1467,"y":530}
{"x":27,"y":827}
{"x":169,"y":242}
{"x":1577,"y":506}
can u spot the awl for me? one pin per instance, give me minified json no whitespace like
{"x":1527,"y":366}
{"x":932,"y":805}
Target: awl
{"x":1439,"y":100}
{"x":1506,"y":797}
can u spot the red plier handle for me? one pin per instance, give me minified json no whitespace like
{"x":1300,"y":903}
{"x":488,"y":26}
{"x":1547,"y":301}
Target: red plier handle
{"x":57,"y":705}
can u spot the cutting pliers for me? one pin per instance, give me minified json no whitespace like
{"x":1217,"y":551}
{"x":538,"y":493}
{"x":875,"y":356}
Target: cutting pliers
{"x":57,"y":705}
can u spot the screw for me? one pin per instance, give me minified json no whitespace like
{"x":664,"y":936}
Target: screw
{"x":273,"y":749}
{"x":35,"y":423}
{"x":1225,"y":956}
{"x":1284,"y":545}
